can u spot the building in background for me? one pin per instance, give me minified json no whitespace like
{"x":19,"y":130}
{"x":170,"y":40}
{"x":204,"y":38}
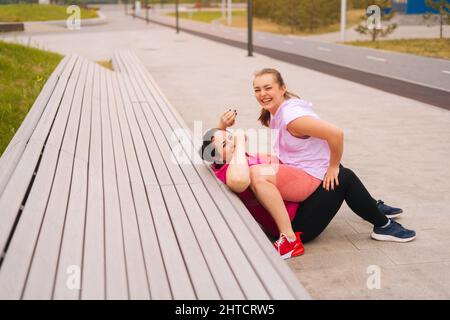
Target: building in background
{"x":411,"y":7}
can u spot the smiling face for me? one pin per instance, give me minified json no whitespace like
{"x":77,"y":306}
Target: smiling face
{"x":269,"y":94}
{"x":224,"y":145}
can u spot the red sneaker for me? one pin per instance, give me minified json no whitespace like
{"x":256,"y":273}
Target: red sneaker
{"x":288,"y":249}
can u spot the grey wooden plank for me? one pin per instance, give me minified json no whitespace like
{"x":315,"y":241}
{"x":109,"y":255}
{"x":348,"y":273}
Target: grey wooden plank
{"x":9,"y":160}
{"x":218,"y":266}
{"x":68,"y":276}
{"x":12,"y":196}
{"x":281,"y":267}
{"x":240,"y":265}
{"x":149,"y":144}
{"x":176,"y":272}
{"x":298,"y":291}
{"x":116,"y":274}
{"x":43,"y":267}
{"x":146,"y":152}
{"x":14,"y":271}
{"x":198,"y":270}
{"x":118,"y":65}
{"x":93,"y":269}
{"x":156,"y":273}
{"x":135,"y":264}
{"x":152,"y":112}
{"x":177,"y":176}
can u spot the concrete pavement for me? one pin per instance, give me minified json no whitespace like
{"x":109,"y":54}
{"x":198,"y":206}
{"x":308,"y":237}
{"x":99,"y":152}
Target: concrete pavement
{"x":398,"y":147}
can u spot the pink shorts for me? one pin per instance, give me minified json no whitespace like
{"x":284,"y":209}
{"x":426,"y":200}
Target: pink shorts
{"x":293,"y":183}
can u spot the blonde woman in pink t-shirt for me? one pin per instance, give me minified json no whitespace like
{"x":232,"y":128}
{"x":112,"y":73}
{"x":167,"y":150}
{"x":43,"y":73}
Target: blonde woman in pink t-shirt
{"x":306,"y":142}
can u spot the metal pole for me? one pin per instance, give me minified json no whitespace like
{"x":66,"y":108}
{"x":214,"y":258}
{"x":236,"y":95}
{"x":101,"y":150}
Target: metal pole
{"x":229,"y":13}
{"x":224,"y":9}
{"x":126,"y":7}
{"x":178,"y":16}
{"x":343,"y":18}
{"x":146,"y":11}
{"x":250,"y":27}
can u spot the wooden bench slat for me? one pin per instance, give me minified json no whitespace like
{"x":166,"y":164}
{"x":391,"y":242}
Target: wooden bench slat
{"x":135,"y":264}
{"x":156,"y":273}
{"x":176,"y":272}
{"x":68,"y":276}
{"x":190,"y":250}
{"x":218,"y":265}
{"x":116,"y":275}
{"x":14,"y":271}
{"x":242,"y":269}
{"x":43,"y":267}
{"x":152,"y":130}
{"x":151,"y":161}
{"x":12,"y":197}
{"x":93,"y":269}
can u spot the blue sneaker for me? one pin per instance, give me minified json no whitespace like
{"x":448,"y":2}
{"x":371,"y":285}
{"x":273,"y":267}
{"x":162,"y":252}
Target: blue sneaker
{"x":389,"y":212}
{"x":393,"y":232}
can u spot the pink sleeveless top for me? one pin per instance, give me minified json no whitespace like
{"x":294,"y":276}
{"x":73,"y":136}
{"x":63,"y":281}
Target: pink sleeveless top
{"x":259,"y":213}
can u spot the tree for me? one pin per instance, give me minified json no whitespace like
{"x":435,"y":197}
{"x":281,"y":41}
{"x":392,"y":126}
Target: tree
{"x":384,"y":13}
{"x":443,"y":9}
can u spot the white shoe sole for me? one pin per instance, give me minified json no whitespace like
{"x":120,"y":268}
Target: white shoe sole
{"x":382,"y":237}
{"x":393,"y":216}
{"x":286,"y":255}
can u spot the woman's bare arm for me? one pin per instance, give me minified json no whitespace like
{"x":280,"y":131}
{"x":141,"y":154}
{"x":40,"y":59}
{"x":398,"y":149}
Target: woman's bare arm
{"x":238,"y":172}
{"x":310,"y":126}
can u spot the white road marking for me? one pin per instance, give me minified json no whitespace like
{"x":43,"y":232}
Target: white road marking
{"x":288,"y":42}
{"x":446,"y":71}
{"x":323,"y":49}
{"x":262,"y":37}
{"x":376,"y":58}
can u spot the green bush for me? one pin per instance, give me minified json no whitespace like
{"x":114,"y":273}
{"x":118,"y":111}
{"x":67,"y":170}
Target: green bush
{"x":299,"y":14}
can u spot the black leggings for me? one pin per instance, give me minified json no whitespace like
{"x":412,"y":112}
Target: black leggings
{"x":315,"y":213}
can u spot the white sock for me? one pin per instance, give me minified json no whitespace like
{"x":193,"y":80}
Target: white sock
{"x":387,"y":224}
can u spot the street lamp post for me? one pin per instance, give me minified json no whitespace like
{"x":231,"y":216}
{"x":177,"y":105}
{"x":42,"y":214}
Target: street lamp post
{"x":250,"y":27}
{"x":229,"y":12}
{"x":126,"y":7}
{"x":224,"y":8}
{"x":178,"y":16}
{"x":343,"y":19}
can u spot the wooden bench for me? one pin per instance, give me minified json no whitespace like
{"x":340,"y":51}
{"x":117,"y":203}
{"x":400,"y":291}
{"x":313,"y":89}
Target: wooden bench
{"x":93,"y":205}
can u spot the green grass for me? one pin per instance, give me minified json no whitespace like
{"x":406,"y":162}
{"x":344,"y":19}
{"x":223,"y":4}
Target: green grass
{"x":38,"y":12}
{"x":23,"y":72}
{"x":106,"y":64}
{"x":435,"y":48}
{"x":207,"y":16}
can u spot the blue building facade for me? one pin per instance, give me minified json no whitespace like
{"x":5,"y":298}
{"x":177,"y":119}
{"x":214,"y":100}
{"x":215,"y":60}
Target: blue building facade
{"x":411,"y":6}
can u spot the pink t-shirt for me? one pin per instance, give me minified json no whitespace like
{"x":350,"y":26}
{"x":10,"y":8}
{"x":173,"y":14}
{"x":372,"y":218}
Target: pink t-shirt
{"x":259,"y":213}
{"x":311,"y":154}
